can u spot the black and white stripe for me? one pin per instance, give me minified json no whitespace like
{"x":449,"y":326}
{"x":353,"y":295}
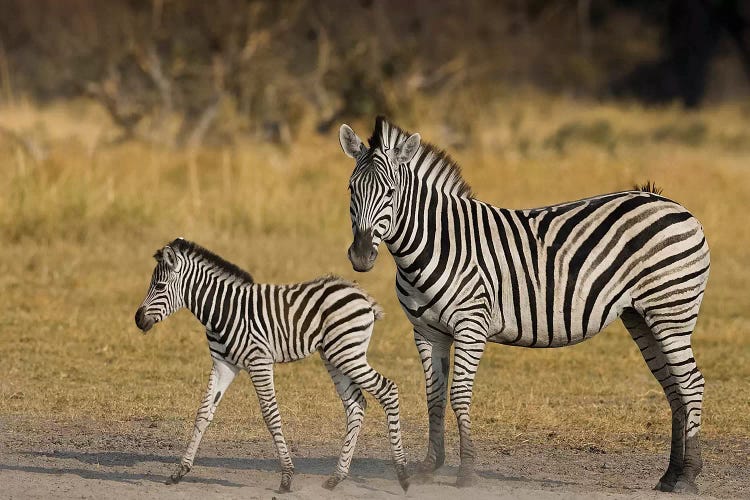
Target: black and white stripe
{"x":469,"y":273}
{"x":251,"y":326}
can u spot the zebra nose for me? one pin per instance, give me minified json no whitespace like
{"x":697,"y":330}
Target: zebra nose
{"x":367,"y":254}
{"x":362,"y":254}
{"x":362,"y":262}
{"x":139,"y":317}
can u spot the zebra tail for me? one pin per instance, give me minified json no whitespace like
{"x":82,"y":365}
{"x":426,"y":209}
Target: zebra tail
{"x":648,"y":187}
{"x":377,"y":311}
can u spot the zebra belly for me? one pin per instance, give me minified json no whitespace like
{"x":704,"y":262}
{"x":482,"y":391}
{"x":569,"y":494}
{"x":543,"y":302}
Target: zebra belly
{"x":543,"y":339}
{"x":513,"y":324}
{"x":242,"y":349}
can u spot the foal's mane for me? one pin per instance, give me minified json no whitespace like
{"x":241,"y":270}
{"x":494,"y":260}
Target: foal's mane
{"x":225,"y":266}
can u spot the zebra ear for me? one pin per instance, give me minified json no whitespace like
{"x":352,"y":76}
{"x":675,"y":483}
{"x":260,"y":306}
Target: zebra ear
{"x":350,"y":142}
{"x":169,"y":257}
{"x":405,"y":151}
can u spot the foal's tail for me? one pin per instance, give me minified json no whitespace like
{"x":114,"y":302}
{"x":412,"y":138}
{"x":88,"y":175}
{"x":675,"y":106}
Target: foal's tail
{"x":377,"y":311}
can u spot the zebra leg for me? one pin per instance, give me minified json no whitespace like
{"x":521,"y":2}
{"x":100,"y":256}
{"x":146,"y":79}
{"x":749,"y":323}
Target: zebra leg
{"x":436,"y":365}
{"x":386,"y":392}
{"x":672,"y":329}
{"x":649,"y":347}
{"x":262,"y":378}
{"x":691,"y":385}
{"x":683,"y":389}
{"x":354,"y":406}
{"x":222,"y":374}
{"x":468,"y":350}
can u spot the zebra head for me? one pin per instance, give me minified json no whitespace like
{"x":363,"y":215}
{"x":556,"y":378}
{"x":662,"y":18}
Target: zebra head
{"x":373,"y":186}
{"x":164,"y":295}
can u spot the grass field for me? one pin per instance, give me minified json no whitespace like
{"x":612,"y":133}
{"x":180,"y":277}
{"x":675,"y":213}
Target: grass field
{"x":79,"y":223}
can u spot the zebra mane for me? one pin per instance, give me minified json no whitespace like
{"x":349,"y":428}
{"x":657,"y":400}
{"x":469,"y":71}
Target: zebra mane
{"x":389,"y":135}
{"x":213,"y":259}
{"x":648,"y":187}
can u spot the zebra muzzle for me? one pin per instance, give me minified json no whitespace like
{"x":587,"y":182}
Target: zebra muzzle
{"x":143,"y":321}
{"x":362,"y":253}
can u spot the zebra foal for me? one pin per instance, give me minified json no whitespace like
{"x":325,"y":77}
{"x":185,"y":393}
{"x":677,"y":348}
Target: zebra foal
{"x":251,"y":326}
{"x":469,"y":273}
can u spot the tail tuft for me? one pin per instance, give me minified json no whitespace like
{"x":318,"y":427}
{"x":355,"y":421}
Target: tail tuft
{"x":376,"y":309}
{"x":648,"y":187}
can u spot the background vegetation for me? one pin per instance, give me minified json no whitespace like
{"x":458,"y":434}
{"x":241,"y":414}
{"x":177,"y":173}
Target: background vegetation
{"x":253,"y":170}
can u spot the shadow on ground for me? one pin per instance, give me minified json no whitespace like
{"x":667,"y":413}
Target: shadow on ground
{"x":361,"y":469}
{"x":109,"y":475}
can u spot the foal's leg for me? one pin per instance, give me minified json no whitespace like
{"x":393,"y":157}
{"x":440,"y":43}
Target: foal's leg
{"x":354,"y":406}
{"x":385,"y":391}
{"x":436,"y":366}
{"x":262,"y":377}
{"x":222,"y":374}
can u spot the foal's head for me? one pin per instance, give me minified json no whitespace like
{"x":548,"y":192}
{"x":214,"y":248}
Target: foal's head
{"x":164,"y":295}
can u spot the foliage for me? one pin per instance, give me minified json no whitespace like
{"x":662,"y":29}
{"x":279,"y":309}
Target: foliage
{"x":181,"y":72}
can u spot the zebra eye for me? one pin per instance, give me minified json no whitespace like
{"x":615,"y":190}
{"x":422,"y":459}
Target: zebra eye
{"x":160,"y":286}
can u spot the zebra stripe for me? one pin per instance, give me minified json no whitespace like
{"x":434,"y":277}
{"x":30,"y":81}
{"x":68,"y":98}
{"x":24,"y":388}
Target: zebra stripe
{"x":469,"y":273}
{"x":251,"y":326}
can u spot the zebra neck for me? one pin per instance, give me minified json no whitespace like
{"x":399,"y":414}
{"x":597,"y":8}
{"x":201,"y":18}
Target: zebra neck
{"x":211,"y":296}
{"x":424,"y":213}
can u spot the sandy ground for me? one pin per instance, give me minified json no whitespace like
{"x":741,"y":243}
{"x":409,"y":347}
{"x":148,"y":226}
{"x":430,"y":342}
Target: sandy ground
{"x":65,"y":463}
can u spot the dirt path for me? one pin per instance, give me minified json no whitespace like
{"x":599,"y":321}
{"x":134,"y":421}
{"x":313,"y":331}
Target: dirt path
{"x":107,"y":465}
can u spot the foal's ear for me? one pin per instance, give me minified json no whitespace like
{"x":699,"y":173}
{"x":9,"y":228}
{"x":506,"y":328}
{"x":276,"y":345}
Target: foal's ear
{"x":169,"y":257}
{"x":405,"y":151}
{"x":350,"y":142}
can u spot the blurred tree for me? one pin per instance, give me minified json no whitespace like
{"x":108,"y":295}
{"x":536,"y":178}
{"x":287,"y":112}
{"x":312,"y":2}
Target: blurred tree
{"x":692,"y":32}
{"x":187,"y":71}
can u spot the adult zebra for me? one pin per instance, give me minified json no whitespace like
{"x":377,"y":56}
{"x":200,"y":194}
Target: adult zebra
{"x":251,"y":326}
{"x":469,"y":273}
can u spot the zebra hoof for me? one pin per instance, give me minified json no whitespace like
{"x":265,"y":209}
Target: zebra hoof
{"x":685,"y":486}
{"x":466,"y":480}
{"x":286,"y":485}
{"x":404,"y":482}
{"x":403,"y":477}
{"x":428,"y":466}
{"x":667,"y":481}
{"x":331,"y":482}
{"x":664,"y":486}
{"x":173,"y":479}
{"x":178,"y":474}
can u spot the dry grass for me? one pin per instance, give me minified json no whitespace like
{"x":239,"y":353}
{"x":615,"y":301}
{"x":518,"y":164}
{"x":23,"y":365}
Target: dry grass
{"x":78,"y":228}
